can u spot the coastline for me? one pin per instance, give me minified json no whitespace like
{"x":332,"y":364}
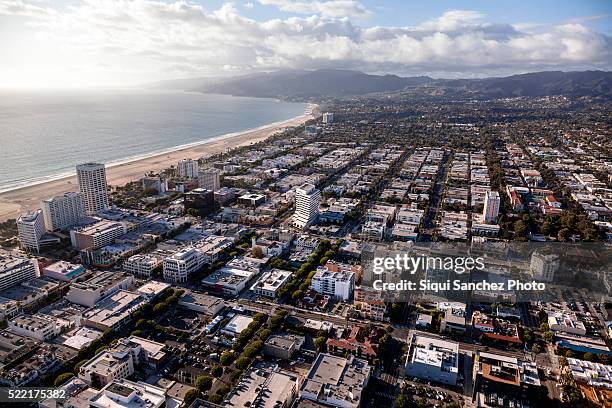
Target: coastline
{"x":14,"y":202}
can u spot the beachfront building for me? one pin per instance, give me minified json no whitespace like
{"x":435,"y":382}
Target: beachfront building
{"x":188,"y":168}
{"x":62,"y":212}
{"x":307,"y":200}
{"x":210,"y":179}
{"x":31,"y":228}
{"x":92,"y":183}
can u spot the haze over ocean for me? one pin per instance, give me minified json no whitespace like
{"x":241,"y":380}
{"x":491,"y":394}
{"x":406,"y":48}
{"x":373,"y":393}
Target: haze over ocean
{"x":44,"y":134}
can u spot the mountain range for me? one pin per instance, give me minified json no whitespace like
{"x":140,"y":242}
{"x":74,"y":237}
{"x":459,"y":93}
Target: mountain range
{"x":328,"y":83}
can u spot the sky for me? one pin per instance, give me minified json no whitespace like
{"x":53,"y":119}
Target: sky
{"x":102,"y":43}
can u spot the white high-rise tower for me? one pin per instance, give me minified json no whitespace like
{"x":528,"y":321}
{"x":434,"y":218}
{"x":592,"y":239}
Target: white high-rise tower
{"x":92,"y":183}
{"x":31,"y":228}
{"x":491,"y":207}
{"x":307,"y":200}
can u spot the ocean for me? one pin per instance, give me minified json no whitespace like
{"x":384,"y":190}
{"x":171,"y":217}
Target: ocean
{"x":44,"y":134}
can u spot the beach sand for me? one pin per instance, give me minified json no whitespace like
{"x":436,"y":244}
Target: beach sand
{"x":14,"y":202}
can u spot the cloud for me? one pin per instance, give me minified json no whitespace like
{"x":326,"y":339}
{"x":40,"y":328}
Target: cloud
{"x":158,"y":39}
{"x":330,"y":8}
{"x":22,"y":9}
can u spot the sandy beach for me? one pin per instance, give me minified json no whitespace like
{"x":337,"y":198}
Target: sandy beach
{"x":13,"y":202}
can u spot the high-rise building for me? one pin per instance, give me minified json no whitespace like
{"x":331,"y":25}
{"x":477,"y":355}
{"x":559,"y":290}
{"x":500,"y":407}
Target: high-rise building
{"x":307,"y":200}
{"x":15,"y":269}
{"x":543,"y":267}
{"x":155,"y":182}
{"x":31,"y":228}
{"x":92,"y":183}
{"x":62,"y":212}
{"x":491,"y":206}
{"x":328,"y":117}
{"x":210,"y":179}
{"x":188,"y":168}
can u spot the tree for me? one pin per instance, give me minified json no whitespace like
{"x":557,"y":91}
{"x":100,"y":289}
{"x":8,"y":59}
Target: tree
{"x":569,"y":354}
{"x":536,"y":348}
{"x":190,"y":396}
{"x":62,"y":378}
{"x":226,"y":358}
{"x":217,"y":371}
{"x":203,"y":383}
{"x":320,"y":342}
{"x":159,"y":308}
{"x":544,"y":327}
{"x":243,"y":362}
{"x":216,"y":398}
{"x":549,"y":336}
{"x":257,"y":252}
{"x":235,"y":375}
{"x":588,"y":356}
{"x":78,"y":366}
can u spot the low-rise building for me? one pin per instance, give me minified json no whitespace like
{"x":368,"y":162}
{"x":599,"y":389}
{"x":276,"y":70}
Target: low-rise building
{"x":38,"y":327}
{"x":99,"y":286}
{"x":283,"y":345}
{"x":336,"y":381}
{"x":114,"y":311}
{"x":270,"y":282}
{"x":264,"y":385}
{"x":432,"y":359}
{"x":63,"y":271}
{"x":236,"y":325}
{"x":201,"y":302}
{"x":123,"y":393}
{"x":16,"y":269}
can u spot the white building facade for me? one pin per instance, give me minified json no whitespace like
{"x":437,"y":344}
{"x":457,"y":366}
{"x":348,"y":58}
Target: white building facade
{"x":92,"y":183}
{"x":188,"y":168}
{"x":62,"y":212}
{"x":31,"y":228}
{"x":307,"y":201}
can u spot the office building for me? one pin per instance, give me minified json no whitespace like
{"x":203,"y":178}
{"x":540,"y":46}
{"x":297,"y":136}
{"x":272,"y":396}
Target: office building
{"x":142,"y":264}
{"x":339,"y":284}
{"x":270,"y":282}
{"x":178,"y":266}
{"x":201,"y":200}
{"x":210,"y":179}
{"x":62,"y":212}
{"x":31,"y":228}
{"x":433,"y":359}
{"x":96,"y":235}
{"x":114,"y":311}
{"x":38,"y":327}
{"x":92,"y":183}
{"x":188,"y":168}
{"x":99,"y":286}
{"x":283,"y":345}
{"x":307,"y":200}
{"x":15,"y":269}
{"x":491,"y":207}
{"x":336,"y":381}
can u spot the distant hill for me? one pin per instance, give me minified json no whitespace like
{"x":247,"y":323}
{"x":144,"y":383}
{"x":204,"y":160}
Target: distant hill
{"x":301,"y":84}
{"x":308,"y":84}
{"x":575,"y":84}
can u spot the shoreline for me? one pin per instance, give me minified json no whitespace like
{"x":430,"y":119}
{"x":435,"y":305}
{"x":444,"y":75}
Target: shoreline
{"x":17,"y":200}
